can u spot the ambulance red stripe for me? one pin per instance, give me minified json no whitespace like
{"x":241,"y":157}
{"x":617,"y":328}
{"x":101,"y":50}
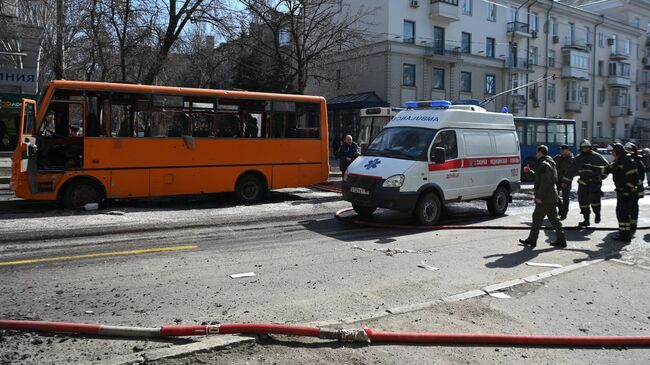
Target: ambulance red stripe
{"x":465,"y":163}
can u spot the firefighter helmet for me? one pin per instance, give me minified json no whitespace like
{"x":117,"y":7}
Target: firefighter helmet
{"x":585,"y":143}
{"x":630,"y":147}
{"x":617,"y":147}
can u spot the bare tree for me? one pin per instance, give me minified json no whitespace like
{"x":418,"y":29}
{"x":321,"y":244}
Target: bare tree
{"x":302,"y":35}
{"x":174,"y":17}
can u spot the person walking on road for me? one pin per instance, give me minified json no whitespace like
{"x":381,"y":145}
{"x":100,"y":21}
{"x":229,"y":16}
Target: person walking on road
{"x":640,"y":166}
{"x":562,"y":162}
{"x":347,"y":153}
{"x":626,"y":178}
{"x":545,"y":199}
{"x":589,"y":182}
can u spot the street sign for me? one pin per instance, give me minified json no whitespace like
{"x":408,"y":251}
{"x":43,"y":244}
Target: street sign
{"x":15,"y":77}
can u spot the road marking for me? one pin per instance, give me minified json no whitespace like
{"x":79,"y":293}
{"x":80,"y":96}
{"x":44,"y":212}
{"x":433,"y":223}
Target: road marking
{"x":99,"y":254}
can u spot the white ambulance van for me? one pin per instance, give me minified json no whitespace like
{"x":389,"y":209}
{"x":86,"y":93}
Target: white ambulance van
{"x":435,"y":153}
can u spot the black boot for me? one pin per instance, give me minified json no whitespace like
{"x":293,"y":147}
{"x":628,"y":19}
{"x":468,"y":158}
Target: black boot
{"x":585,"y":223}
{"x":632,"y":229}
{"x":559,"y":243}
{"x":622,"y":237}
{"x":597,"y":218}
{"x":528,"y":243}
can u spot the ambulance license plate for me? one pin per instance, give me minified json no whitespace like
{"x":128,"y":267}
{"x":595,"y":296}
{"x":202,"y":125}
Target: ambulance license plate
{"x":358,"y":190}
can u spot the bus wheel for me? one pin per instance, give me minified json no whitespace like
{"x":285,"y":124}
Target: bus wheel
{"x":81,"y":192}
{"x":498,"y":203}
{"x":363,"y":211}
{"x":250,"y":189}
{"x":427,"y":211}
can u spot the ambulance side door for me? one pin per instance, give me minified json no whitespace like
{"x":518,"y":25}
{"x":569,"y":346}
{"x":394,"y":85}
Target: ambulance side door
{"x":448,"y":175}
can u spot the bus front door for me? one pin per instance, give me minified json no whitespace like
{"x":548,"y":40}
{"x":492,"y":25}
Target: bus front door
{"x":27,"y":149}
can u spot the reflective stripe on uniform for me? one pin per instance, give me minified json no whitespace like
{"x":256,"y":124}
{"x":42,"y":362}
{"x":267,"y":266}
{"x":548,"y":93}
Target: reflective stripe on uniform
{"x":582,"y":182}
{"x":595,"y":204}
{"x":631,"y":172}
{"x":584,"y":206}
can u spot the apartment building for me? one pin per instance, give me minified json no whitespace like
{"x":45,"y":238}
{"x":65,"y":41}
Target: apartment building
{"x":475,"y":49}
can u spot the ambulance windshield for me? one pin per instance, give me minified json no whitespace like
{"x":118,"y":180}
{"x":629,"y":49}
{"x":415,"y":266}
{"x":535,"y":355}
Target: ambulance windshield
{"x":408,"y":143}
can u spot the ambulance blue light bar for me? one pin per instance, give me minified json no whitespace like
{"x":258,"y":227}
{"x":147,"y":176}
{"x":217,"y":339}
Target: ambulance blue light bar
{"x":436,"y":104}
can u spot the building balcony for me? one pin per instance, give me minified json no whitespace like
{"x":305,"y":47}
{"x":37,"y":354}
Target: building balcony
{"x":576,"y":73}
{"x":520,"y":29}
{"x":572,"y":106}
{"x":519,"y":63}
{"x":579,"y":44}
{"x":619,"y":111}
{"x":444,"y":10}
{"x":448,"y":52}
{"x":618,"y":81}
{"x":619,"y":55}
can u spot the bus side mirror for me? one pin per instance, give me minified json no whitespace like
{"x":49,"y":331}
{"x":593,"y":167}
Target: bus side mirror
{"x":439,"y":155}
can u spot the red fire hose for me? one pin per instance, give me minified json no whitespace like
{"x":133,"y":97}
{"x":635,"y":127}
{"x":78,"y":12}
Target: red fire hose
{"x":365,"y":335}
{"x":339,"y":216}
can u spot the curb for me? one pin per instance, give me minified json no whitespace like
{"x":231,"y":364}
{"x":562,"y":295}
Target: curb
{"x":224,"y":341}
{"x":209,"y":344}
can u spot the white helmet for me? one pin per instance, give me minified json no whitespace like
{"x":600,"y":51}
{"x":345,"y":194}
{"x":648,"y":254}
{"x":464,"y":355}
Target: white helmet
{"x":585,"y":143}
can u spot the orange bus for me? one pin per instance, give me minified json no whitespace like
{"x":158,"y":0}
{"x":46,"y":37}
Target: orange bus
{"x":88,"y":142}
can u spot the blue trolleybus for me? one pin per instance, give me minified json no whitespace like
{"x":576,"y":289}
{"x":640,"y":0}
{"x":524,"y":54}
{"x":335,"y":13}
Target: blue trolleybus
{"x":551,"y":132}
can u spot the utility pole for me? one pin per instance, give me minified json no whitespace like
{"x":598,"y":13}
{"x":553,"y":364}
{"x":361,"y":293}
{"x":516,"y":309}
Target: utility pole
{"x":60,"y":23}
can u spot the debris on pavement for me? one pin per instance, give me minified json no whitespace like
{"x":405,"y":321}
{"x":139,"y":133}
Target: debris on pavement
{"x":115,"y":212}
{"x":242,"y":275}
{"x":89,"y":312}
{"x":91,"y":206}
{"x":424,"y":265}
{"x":389,"y":251}
{"x":541,"y":264}
{"x":499,"y":295}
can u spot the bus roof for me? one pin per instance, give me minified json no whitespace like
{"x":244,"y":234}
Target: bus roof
{"x":538,"y":119}
{"x":139,"y":88}
{"x":454,"y":117}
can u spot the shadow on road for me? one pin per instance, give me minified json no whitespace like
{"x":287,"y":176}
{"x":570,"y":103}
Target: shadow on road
{"x":510,"y":260}
{"x":11,"y":209}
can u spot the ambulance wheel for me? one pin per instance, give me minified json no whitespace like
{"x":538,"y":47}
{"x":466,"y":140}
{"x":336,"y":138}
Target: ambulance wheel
{"x":428,"y":210}
{"x":363,"y":211}
{"x":498,"y":203}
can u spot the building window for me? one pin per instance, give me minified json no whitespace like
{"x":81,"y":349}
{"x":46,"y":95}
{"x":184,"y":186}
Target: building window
{"x":627,"y":46}
{"x":467,"y":7}
{"x":584,"y":96}
{"x":585,"y":128}
{"x":551,"y":93}
{"x":466,"y":43}
{"x":613,"y":131}
{"x":284,"y":37}
{"x":553,"y":26}
{"x":512,"y":14}
{"x":573,"y":92}
{"x":599,"y":129}
{"x":532,"y":58}
{"x":619,"y":69}
{"x":601,"y":39}
{"x":409,"y":32}
{"x":489,"y":84}
{"x":601,"y":96}
{"x":601,"y":66}
{"x":438,"y":78}
{"x":586,"y":35}
{"x":533,"y":22}
{"x":571,"y":29}
{"x":466,"y":82}
{"x":551,"y":58}
{"x":627,"y":130}
{"x":408,"y":77}
{"x":491,"y":12}
{"x":637,"y":22}
{"x":489,"y":47}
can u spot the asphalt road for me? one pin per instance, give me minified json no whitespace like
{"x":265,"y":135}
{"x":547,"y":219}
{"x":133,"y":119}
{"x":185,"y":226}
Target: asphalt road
{"x":165,"y":262}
